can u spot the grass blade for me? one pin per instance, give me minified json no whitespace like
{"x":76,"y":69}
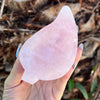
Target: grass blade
{"x":83,"y":90}
{"x":74,"y":99}
{"x":70,"y":85}
{"x":93,"y":86}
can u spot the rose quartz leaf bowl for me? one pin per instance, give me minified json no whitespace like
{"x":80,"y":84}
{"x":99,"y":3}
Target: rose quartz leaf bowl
{"x":50,"y":52}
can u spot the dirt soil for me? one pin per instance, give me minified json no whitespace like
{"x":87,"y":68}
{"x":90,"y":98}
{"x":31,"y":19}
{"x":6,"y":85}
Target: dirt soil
{"x":21,"y":20}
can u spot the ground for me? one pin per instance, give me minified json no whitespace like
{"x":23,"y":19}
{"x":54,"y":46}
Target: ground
{"x":20,"y":20}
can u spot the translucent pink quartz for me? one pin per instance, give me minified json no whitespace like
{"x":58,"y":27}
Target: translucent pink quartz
{"x":50,"y":53}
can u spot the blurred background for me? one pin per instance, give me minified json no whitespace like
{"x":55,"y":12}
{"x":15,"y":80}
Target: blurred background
{"x":20,"y":19}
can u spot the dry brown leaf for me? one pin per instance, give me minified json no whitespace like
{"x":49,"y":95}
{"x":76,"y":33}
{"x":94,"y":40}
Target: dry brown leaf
{"x":75,"y":7}
{"x":51,"y":13}
{"x":79,"y":78}
{"x":89,"y":49}
{"x":38,"y":4}
{"x":25,"y":5}
{"x":92,"y":1}
{"x":16,"y":5}
{"x":89,"y":26}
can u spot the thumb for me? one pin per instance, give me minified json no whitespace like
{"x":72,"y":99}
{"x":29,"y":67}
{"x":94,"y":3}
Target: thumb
{"x":15,"y":76}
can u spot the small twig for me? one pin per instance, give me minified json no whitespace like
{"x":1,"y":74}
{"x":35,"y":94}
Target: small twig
{"x":86,"y":10}
{"x":92,"y":38}
{"x":58,"y":1}
{"x":80,"y":1}
{"x":96,"y":7}
{"x":95,"y":39}
{"x":97,"y":94}
{"x":2,"y":7}
{"x":13,"y":30}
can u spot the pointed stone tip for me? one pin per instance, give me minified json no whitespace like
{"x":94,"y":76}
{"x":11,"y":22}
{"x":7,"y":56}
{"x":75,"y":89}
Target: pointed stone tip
{"x":66,"y":9}
{"x":66,"y":18}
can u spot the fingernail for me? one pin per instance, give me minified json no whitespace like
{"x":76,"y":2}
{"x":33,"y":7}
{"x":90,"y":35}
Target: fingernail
{"x":77,"y":27}
{"x":81,"y":46}
{"x":74,"y":65}
{"x":17,"y":51}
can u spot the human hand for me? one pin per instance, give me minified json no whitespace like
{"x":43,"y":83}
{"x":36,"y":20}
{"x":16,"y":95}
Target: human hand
{"x":16,"y":89}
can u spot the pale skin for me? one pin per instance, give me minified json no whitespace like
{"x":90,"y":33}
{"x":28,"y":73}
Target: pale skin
{"x":16,"y":89}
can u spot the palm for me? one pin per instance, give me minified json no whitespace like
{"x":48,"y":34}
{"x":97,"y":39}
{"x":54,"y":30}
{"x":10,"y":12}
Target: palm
{"x":45,"y":91}
{"x":42,"y":90}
